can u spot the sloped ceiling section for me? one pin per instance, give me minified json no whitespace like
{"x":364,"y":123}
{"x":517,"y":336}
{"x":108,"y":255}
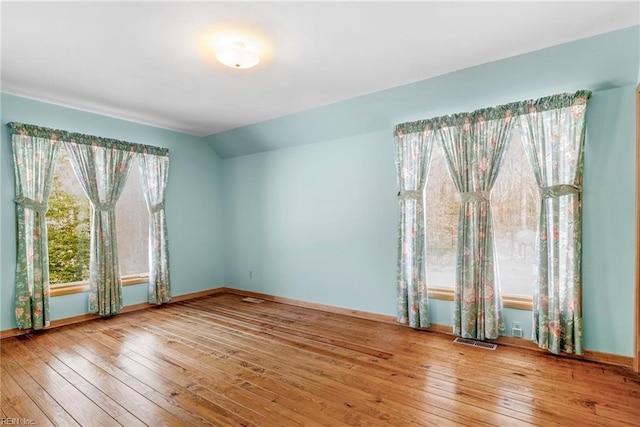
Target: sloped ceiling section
{"x":596,"y":63}
{"x":145,"y":62}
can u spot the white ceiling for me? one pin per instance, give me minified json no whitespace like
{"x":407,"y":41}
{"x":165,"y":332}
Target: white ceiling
{"x":142,"y":61}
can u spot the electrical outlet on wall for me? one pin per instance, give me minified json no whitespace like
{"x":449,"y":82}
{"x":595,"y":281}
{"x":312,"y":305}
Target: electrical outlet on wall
{"x":516,"y":329}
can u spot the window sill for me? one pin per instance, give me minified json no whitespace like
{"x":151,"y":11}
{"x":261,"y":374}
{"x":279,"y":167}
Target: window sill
{"x":509,"y":301}
{"x":79,"y":287}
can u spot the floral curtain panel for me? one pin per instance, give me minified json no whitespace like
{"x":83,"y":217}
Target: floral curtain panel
{"x":553,"y":131}
{"x":34,"y":165}
{"x":154,"y":170}
{"x":413,"y":144}
{"x":474,"y":147}
{"x":102,"y":173}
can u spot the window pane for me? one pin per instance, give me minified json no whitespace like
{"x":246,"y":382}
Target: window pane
{"x":515,"y":204}
{"x":68,"y":226}
{"x":441,"y":211}
{"x":133,"y":226}
{"x":68,"y":223}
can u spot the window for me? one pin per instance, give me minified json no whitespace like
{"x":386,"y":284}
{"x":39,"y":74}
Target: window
{"x":68,"y":226}
{"x":441,"y":209}
{"x":132,"y":220}
{"x":515,"y":205}
{"x":68,"y":223}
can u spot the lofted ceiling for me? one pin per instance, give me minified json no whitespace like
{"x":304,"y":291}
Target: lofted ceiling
{"x":145,"y":61}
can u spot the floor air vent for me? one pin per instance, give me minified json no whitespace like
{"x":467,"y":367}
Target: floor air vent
{"x":474,"y":343}
{"x":253,"y":300}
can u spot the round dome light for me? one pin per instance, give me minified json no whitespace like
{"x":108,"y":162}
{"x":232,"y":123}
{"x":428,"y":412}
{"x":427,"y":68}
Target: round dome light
{"x":237,"y":55}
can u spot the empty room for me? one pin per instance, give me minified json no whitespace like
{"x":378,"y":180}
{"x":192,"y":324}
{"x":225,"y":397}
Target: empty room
{"x":319,"y":213}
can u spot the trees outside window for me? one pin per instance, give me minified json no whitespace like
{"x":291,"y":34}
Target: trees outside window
{"x":68,"y":224}
{"x":515,"y":203}
{"x":68,"y":232}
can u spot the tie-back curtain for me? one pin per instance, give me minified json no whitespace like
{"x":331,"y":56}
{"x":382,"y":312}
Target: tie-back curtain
{"x":102,"y":173}
{"x":34,"y":161}
{"x":154,"y":171}
{"x":474,"y":147}
{"x":413,"y":153}
{"x":553,"y":131}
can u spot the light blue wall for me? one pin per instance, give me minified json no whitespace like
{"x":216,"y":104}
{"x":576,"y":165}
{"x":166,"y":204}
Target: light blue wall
{"x":192,"y":203}
{"x":609,"y":246}
{"x":317,"y":222}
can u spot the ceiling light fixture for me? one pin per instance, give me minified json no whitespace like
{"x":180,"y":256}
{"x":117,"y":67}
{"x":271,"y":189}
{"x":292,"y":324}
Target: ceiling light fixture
{"x":237,"y":55}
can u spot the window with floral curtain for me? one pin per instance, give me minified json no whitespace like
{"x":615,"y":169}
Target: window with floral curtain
{"x":101,"y":165}
{"x":102,"y":172}
{"x":474,"y":146}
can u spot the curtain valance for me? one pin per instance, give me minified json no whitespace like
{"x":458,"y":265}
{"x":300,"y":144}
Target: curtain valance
{"x":79,"y":138}
{"x":553,"y":102}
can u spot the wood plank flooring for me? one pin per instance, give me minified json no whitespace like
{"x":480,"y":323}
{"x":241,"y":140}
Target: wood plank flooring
{"x":218,"y":361}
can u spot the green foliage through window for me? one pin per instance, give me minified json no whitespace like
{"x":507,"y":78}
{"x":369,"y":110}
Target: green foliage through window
{"x":68,"y":228}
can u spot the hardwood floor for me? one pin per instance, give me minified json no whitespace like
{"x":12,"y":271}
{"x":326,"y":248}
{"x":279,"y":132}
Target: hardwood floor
{"x":219,"y":361}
